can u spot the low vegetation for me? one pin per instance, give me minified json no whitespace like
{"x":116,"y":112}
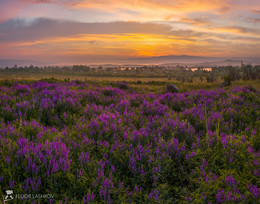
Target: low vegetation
{"x":123,"y":142}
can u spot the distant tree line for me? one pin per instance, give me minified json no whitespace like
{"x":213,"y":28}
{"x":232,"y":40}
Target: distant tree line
{"x":184,"y":74}
{"x":246,"y":72}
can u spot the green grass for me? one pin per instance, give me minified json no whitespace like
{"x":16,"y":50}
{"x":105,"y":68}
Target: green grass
{"x":155,"y":85}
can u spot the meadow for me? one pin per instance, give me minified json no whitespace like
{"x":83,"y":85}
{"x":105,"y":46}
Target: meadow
{"x":128,"y":142}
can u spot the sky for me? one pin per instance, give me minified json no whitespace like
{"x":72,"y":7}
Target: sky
{"x":82,"y":31}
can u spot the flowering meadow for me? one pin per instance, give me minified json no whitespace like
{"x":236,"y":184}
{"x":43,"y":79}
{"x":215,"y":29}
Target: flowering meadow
{"x":86,"y":143}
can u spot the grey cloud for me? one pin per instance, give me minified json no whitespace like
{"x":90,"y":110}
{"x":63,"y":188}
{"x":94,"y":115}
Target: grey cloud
{"x":20,"y":30}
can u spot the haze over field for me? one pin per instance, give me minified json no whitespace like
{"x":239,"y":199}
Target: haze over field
{"x":141,"y":31}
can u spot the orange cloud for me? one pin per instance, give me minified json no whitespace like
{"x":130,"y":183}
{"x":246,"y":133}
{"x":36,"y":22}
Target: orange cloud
{"x":147,"y":10}
{"x":137,"y":44}
{"x":186,"y":5}
{"x":195,"y":21}
{"x":238,"y":30}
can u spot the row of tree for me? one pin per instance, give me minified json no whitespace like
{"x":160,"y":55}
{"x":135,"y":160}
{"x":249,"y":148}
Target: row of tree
{"x":246,"y":72}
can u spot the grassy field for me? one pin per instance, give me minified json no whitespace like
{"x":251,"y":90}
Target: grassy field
{"x":112,"y":142}
{"x":148,"y":84}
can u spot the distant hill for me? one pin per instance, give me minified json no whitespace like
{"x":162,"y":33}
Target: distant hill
{"x":170,"y":60}
{"x":211,"y":64}
{"x":184,"y":59}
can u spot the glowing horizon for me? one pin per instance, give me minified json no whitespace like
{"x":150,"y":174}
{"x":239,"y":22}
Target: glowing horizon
{"x":56,"y":30}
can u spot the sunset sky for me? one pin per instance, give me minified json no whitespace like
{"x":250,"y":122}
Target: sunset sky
{"x":82,"y":31}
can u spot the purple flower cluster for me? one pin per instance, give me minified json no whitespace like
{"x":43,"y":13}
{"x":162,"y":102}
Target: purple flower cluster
{"x":87,"y":143}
